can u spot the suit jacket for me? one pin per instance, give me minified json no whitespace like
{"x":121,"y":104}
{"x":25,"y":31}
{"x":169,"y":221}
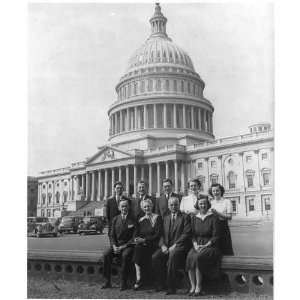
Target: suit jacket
{"x":122,"y":230}
{"x":161,"y":207}
{"x":112,"y":209}
{"x":136,"y":210}
{"x":181,"y":233}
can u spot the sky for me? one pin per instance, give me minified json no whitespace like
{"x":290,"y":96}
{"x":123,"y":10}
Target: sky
{"x":78,"y":52}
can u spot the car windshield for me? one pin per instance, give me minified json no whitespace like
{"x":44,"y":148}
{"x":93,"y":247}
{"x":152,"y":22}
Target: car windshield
{"x":87,"y":220}
{"x":67,"y":219}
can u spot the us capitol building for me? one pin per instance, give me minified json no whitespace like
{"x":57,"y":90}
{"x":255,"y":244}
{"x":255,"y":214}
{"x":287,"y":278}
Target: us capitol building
{"x":161,"y":125}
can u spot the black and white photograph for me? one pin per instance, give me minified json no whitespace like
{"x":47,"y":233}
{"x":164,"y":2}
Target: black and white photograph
{"x":150,"y":150}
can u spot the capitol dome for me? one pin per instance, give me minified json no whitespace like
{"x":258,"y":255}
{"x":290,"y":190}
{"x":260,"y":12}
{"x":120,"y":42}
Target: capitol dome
{"x":160,"y":93}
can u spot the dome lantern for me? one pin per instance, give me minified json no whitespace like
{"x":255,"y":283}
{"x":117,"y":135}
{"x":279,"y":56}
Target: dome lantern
{"x":158,"y":22}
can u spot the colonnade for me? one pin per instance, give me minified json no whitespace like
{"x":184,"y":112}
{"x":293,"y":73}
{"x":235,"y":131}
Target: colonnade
{"x":99,"y":184}
{"x":165,"y":116}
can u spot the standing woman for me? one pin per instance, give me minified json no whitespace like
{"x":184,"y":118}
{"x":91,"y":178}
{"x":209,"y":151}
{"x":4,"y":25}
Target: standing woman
{"x":204,"y":257}
{"x":187,"y":204}
{"x":146,"y":238}
{"x":222,"y":208}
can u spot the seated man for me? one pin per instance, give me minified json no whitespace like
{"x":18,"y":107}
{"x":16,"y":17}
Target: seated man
{"x":174,"y":245}
{"x":121,"y":239}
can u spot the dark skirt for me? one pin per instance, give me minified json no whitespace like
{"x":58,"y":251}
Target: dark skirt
{"x":207,"y":261}
{"x":143,"y":254}
{"x":225,"y":240}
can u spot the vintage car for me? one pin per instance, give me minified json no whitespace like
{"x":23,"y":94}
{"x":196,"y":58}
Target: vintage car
{"x":91,"y":225}
{"x":40,"y":226}
{"x":69,"y":224}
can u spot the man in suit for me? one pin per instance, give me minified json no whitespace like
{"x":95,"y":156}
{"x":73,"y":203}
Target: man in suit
{"x":121,"y":244}
{"x":112,"y":204}
{"x":141,"y":195}
{"x":161,"y":207}
{"x":174,"y":245}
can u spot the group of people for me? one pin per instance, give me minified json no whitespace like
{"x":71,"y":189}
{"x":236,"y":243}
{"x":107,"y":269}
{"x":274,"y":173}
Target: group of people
{"x":160,"y":236}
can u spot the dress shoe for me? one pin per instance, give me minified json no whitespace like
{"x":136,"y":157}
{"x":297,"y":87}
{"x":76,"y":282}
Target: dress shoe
{"x":107,"y":285}
{"x":137,"y":286}
{"x":197,"y":294}
{"x":190,"y":293}
{"x":123,"y":287}
{"x":171,"y":292}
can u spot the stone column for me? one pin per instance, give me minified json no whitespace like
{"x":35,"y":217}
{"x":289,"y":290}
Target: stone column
{"x":83,"y":184}
{"x":112,"y":180}
{"x":69,"y":190}
{"x":134,"y":179}
{"x":128,"y":119}
{"x":120,"y":174}
{"x":99,"y":185}
{"x":150,"y":178}
{"x":176,"y":175}
{"x":182,"y":176}
{"x":93,"y":186}
{"x":211,"y":123}
{"x":136,"y":117}
{"x":192,"y":117}
{"x":158,"y":179}
{"x":174,"y":116}
{"x":154,"y":116}
{"x":199,"y":117}
{"x":72,"y":188}
{"x":87,"y":191}
{"x":167,"y":169}
{"x":145,"y":117}
{"x":142,"y":172}
{"x":127,"y":180}
{"x":121,"y":120}
{"x":183,"y":116}
{"x":165,"y":115}
{"x":106,"y":183}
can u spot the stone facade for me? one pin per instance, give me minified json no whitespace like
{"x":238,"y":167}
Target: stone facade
{"x":161,"y":126}
{"x":32,"y":196}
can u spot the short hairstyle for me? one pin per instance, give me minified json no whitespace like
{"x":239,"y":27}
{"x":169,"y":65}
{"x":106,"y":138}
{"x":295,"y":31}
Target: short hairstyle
{"x":222,"y":190}
{"x":124,"y":199}
{"x":142,"y":182}
{"x":147,"y":200}
{"x":201,"y":197}
{"x":167,"y":180}
{"x":173,"y":198}
{"x":118,"y":183}
{"x":196,"y":180}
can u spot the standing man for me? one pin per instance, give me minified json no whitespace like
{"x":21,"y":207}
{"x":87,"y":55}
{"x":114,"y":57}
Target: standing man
{"x":161,"y":207}
{"x":141,"y":195}
{"x":174,"y":245}
{"x":112,"y":204}
{"x":121,"y":244}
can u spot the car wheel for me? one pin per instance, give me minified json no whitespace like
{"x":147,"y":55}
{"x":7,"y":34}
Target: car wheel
{"x":55,"y":234}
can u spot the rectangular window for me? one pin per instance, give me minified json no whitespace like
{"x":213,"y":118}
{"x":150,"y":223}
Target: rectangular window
{"x":213,"y":164}
{"x":150,"y":116}
{"x":248,"y":158}
{"x":159,"y":114}
{"x":179,"y":116}
{"x":250,"y":181}
{"x":266,"y":178}
{"x":170,"y":115}
{"x":264,"y":156}
{"x":214,"y":180}
{"x":251,"y":204}
{"x":233,"y":203}
{"x":200,"y":165}
{"x":175,"y":86}
{"x":267,"y":203}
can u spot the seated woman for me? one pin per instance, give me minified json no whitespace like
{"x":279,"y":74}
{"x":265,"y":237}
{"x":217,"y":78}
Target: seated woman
{"x":222,"y":208}
{"x":187,"y":204}
{"x":146,"y":237}
{"x":204,"y":257}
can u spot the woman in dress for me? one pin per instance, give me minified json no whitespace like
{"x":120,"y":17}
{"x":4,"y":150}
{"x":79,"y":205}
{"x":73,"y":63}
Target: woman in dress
{"x":205,"y":256}
{"x":222,"y":208}
{"x":146,"y":238}
{"x":187,"y":204}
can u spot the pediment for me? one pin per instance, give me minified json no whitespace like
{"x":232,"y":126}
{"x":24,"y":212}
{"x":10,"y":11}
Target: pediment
{"x":108,"y":154}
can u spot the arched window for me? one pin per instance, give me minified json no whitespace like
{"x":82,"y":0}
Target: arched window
{"x":182,"y":86}
{"x":158,"y":85}
{"x":44,"y":198}
{"x":57,"y":196}
{"x":65,"y":195}
{"x":189,"y":87}
{"x":175,"y":86}
{"x":150,"y":85}
{"x":49,"y":197}
{"x":143,"y":86}
{"x":167,"y":85}
{"x":232,"y":180}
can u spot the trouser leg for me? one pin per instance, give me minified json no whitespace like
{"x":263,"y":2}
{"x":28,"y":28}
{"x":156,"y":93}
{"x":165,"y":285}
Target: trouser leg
{"x":175,"y":261}
{"x":159,"y":260}
{"x":107,"y":260}
{"x":126,"y":260}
